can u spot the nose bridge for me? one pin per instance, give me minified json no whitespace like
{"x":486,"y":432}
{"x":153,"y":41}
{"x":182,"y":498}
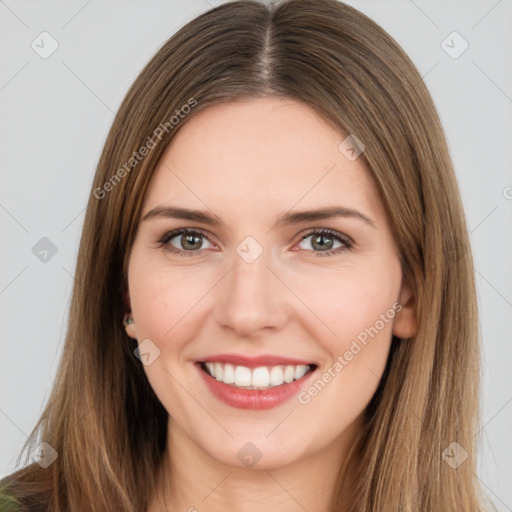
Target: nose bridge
{"x":251,"y":297}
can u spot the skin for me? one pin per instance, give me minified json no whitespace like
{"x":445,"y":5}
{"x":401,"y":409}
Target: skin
{"x":249,"y":162}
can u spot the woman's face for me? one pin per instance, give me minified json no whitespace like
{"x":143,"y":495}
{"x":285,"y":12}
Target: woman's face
{"x":228,"y":269}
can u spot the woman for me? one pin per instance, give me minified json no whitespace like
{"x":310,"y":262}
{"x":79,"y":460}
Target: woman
{"x":212,"y":360}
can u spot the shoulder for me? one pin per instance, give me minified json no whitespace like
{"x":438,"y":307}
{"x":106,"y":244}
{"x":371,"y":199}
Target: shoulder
{"x":15,"y":496}
{"x":8,"y":501}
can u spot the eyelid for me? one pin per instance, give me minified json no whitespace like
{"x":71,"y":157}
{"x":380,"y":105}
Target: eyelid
{"x":333,"y":232}
{"x":173,"y":233}
{"x":345,"y":240}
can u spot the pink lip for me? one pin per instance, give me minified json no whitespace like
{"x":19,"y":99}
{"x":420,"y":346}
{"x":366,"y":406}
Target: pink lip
{"x":255,"y":399}
{"x":254,"y":362}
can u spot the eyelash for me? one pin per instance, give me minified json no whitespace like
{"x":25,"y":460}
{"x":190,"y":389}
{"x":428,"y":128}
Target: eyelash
{"x":345,"y":240}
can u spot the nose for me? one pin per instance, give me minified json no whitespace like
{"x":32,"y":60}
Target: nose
{"x":252,"y":301}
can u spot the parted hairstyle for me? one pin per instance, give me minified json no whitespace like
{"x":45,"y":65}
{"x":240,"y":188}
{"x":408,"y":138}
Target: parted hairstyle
{"x":103,"y":418}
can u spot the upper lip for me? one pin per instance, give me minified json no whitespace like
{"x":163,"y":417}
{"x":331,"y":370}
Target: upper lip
{"x":254,"y":361}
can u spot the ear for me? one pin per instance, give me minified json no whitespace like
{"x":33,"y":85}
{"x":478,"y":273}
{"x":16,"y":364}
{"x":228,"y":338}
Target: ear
{"x":131,"y":329}
{"x":405,"y":323}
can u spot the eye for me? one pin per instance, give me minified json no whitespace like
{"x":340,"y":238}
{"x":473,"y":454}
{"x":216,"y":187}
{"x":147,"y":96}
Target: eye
{"x":326,"y":242}
{"x":184,"y":242}
{"x":189,"y":242}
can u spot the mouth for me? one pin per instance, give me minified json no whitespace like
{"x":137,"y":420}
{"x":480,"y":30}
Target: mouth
{"x":258,"y":378}
{"x":254,"y":382}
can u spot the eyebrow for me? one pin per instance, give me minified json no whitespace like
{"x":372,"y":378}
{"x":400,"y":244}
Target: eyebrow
{"x":323,"y":213}
{"x":288,"y":218}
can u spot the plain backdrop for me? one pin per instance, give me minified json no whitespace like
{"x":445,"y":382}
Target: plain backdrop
{"x":55,"y":114}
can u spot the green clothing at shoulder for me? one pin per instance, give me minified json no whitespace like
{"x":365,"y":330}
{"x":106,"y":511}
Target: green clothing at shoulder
{"x":14,"y":499}
{"x":8,"y":503}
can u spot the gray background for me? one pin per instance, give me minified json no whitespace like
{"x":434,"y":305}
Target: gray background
{"x":55,"y":114}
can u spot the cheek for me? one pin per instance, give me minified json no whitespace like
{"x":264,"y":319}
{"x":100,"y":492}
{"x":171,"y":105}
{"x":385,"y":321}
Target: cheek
{"x":346,"y":305}
{"x":360,"y":310}
{"x":165,"y":305}
{"x":162,"y":300}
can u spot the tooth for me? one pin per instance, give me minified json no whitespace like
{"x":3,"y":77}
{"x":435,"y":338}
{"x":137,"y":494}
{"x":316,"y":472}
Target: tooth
{"x":242,"y":376}
{"x":211,"y":368}
{"x":288,"y":374}
{"x":218,"y":371}
{"x":260,"y":377}
{"x":276,"y":376}
{"x":300,"y":371}
{"x":228,"y":377}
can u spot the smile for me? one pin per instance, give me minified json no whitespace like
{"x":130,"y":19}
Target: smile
{"x":254,"y":383}
{"x":260,"y":378}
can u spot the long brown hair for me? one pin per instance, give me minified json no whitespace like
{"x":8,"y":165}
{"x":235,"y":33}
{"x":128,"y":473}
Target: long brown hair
{"x":103,"y":418}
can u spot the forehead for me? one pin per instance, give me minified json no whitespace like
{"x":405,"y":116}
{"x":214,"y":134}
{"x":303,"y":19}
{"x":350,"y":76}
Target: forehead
{"x":272,"y":152}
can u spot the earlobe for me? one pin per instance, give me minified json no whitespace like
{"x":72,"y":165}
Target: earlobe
{"x":405,"y":323}
{"x":129,"y":326}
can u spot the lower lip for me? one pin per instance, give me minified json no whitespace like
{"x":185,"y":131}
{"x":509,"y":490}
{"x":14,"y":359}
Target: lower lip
{"x":256,"y":399}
